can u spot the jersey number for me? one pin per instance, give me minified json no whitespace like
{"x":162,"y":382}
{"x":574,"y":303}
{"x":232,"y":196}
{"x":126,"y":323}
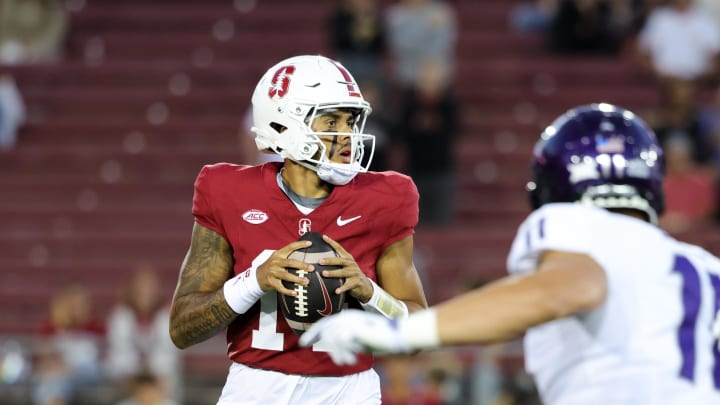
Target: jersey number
{"x":266,"y":336}
{"x":691,"y":296}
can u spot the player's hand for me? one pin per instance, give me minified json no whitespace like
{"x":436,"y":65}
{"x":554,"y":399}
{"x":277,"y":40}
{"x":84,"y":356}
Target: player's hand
{"x":353,"y":331}
{"x":356,"y":282}
{"x":271,"y":274}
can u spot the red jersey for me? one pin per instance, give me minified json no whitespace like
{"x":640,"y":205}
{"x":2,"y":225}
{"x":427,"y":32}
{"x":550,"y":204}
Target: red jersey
{"x":246,"y":206}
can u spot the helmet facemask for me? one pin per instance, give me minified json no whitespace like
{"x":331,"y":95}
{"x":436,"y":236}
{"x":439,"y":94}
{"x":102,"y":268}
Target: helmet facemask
{"x":358,"y":161}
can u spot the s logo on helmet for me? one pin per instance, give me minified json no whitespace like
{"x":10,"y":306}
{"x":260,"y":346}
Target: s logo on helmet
{"x":280,"y":82}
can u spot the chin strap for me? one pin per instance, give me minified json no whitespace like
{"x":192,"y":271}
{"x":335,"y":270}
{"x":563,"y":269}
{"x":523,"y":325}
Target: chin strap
{"x":335,"y":175}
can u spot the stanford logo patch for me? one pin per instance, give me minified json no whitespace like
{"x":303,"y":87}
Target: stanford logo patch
{"x":304,"y":226}
{"x":255,"y":216}
{"x":280,"y":82}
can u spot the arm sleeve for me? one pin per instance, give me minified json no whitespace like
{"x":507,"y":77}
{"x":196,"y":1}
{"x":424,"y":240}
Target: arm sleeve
{"x":202,"y":208}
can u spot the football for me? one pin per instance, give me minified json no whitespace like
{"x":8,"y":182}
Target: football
{"x":318,"y":298}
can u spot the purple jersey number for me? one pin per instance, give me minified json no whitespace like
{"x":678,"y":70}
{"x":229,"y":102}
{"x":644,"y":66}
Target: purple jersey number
{"x":692,"y":301}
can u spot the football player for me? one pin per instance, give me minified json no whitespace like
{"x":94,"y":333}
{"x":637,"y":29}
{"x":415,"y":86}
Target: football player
{"x":614,"y":310}
{"x":309,"y":110}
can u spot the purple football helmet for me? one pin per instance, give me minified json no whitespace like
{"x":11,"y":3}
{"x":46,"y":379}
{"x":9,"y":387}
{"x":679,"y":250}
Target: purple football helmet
{"x":599,"y":154}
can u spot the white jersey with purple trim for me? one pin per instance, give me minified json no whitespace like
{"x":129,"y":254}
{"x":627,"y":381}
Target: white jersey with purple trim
{"x":650,"y":342}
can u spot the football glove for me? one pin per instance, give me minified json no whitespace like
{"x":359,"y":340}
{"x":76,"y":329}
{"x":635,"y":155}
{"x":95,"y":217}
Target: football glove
{"x":353,"y":331}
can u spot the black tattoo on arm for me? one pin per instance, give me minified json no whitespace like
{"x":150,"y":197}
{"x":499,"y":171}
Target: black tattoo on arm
{"x":199,"y":310}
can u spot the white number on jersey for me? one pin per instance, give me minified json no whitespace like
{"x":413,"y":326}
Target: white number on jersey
{"x":692,"y":301}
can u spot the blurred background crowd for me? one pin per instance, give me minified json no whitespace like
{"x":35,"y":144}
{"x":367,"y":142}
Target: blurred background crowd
{"x":108,"y":109}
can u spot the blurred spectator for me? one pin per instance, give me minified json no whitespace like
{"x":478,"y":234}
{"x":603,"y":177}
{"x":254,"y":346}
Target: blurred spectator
{"x":444,"y":373}
{"x":250,"y":155}
{"x":31,"y":31}
{"x":690,"y":190}
{"x":357,"y":38}
{"x":14,"y":362}
{"x":427,"y":129}
{"x":680,"y":117}
{"x":421,"y":36}
{"x":709,"y":123}
{"x":377,"y":123}
{"x":403,"y":381}
{"x":420,"y":30}
{"x":67,"y":356}
{"x":12,"y":112}
{"x":533,"y":15}
{"x":396,"y":375}
{"x":589,"y":26}
{"x":147,"y":389}
{"x":680,"y":45}
{"x":138,"y":333}
{"x":518,"y":389}
{"x":642,"y":9}
{"x":432,"y":378}
{"x":713,"y":7}
{"x":485,"y":376}
{"x":680,"y":40}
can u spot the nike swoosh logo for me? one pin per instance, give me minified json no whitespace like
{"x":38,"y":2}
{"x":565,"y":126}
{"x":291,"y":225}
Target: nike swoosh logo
{"x":343,"y":222}
{"x":326,"y":297}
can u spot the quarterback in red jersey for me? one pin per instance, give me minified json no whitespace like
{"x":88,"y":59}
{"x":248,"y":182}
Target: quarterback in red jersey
{"x":248,"y":219}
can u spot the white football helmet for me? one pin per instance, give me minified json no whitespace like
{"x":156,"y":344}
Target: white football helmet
{"x":287,"y":99}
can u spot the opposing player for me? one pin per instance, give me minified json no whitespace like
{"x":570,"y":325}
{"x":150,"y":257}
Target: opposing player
{"x":615,"y":310}
{"x":309,"y":110}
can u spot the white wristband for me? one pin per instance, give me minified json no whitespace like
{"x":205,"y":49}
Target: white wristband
{"x":385,"y":304}
{"x":419,"y":330}
{"x":242,"y":291}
